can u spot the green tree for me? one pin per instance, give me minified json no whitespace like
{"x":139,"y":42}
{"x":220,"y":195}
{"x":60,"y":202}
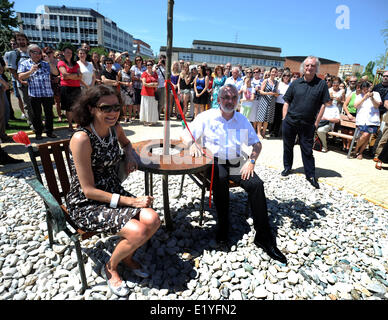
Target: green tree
{"x":62,"y":45}
{"x":100,"y":50}
{"x":369,"y":70}
{"x":8,"y":21}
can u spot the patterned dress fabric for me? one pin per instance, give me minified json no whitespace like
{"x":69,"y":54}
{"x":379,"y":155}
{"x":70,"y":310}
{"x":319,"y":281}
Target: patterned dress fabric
{"x":217,"y":84}
{"x":266,"y":105}
{"x":91,"y":215}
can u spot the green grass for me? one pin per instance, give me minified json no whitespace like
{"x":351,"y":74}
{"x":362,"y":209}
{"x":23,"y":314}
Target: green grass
{"x":21,"y":124}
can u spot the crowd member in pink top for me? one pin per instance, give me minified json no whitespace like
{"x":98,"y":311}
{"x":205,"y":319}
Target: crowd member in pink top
{"x":70,"y":83}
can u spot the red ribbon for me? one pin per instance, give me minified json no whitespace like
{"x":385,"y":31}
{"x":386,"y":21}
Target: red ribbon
{"x":166,"y":82}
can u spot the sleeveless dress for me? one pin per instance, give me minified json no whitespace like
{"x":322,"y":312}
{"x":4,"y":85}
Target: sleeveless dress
{"x":92,"y":215}
{"x":217,"y":84}
{"x":127,"y":93}
{"x":266,"y":105}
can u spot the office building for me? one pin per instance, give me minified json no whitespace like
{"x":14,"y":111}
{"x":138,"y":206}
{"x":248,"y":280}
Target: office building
{"x":143,"y":49}
{"x":75,"y":25}
{"x":349,"y":69}
{"x":216,"y":53}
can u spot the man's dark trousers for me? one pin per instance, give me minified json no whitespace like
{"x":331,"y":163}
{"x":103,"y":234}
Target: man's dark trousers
{"x":254,"y":186}
{"x":305,"y":133}
{"x":36,"y":105}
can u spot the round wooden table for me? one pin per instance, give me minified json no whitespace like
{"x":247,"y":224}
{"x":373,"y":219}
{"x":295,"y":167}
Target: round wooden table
{"x":178,"y":163}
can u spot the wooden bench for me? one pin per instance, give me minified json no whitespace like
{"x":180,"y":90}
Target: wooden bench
{"x":55,"y":155}
{"x":346,"y":123}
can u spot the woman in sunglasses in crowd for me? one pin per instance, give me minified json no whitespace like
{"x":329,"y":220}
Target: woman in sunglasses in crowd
{"x":96,"y":200}
{"x":137,"y":70}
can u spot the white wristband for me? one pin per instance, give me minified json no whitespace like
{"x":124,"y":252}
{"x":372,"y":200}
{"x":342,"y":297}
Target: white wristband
{"x":114,"y":200}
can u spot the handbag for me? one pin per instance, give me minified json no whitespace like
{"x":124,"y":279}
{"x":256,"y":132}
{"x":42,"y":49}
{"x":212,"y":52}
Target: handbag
{"x":157,"y":97}
{"x":317,"y":145}
{"x":323,"y":123}
{"x":121,"y":169}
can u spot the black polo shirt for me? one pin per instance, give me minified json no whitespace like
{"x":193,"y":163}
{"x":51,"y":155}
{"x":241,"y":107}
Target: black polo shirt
{"x":305,"y":99}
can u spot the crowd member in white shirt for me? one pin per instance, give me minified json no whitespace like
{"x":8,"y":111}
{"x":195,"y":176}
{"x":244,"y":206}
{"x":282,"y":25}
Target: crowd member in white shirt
{"x":224,"y":131}
{"x":337,"y":95}
{"x":368,"y":116}
{"x":236,"y":80}
{"x":284,"y":83}
{"x":86,"y":69}
{"x":330,"y":117}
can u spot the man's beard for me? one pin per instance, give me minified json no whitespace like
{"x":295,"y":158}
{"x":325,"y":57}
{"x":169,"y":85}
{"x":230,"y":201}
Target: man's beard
{"x":229,"y":109}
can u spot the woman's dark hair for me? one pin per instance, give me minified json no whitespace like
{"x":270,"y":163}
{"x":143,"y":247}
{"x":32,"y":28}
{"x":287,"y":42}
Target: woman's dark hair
{"x":48,"y":49}
{"x":272,"y":69}
{"x":89,"y":98}
{"x":72,"y":60}
{"x":203,"y":70}
{"x":338,"y":79}
{"x":365,"y":84}
{"x":108,"y":60}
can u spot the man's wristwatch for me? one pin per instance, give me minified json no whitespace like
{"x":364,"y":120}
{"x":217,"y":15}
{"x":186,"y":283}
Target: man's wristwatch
{"x":253,"y":161}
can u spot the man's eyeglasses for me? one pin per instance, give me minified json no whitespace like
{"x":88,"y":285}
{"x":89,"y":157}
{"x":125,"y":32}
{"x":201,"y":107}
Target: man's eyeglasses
{"x":149,"y":65}
{"x":106,"y":108}
{"x":385,"y":76}
{"x":36,"y":52}
{"x":108,"y":63}
{"x":229,"y":98}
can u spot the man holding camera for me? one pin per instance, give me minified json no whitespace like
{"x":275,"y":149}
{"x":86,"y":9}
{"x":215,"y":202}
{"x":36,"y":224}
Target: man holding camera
{"x":160,"y":69}
{"x":37,"y":72}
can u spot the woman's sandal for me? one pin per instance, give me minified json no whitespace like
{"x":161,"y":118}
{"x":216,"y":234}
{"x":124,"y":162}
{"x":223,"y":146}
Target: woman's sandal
{"x":378,"y":165}
{"x":121,"y":290}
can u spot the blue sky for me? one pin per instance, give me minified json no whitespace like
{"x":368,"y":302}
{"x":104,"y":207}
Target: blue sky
{"x":298,"y":27}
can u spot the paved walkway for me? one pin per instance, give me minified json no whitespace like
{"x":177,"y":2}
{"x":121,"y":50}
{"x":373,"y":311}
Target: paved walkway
{"x":358,"y":177}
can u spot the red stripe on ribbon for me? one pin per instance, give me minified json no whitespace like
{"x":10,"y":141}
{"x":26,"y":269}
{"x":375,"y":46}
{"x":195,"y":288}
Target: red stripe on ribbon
{"x":166,"y":83}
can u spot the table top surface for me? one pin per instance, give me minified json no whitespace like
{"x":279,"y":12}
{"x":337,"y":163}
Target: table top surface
{"x":179,"y":162}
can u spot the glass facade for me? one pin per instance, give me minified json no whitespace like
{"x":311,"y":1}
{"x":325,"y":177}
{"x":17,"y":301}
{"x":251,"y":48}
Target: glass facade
{"x":75,"y":25}
{"x":223,"y":59}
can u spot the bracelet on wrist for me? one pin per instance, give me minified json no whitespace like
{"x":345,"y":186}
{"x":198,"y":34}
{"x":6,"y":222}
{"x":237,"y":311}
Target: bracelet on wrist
{"x":114,"y":200}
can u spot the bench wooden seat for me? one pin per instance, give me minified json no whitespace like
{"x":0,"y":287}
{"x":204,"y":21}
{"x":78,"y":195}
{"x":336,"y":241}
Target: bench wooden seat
{"x":346,"y":123}
{"x":55,"y":155}
{"x":340,"y":135}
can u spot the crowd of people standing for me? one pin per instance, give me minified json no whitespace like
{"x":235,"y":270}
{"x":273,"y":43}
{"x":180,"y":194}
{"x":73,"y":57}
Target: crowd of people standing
{"x":43,"y":77}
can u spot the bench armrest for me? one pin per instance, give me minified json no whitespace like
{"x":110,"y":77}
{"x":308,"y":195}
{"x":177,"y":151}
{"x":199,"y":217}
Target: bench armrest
{"x":59,"y":221}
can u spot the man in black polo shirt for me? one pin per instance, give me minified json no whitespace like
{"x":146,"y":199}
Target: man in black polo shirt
{"x":305,"y":102}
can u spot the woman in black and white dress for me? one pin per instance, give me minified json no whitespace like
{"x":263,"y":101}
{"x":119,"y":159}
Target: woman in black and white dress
{"x":96,"y":200}
{"x":266,"y":106}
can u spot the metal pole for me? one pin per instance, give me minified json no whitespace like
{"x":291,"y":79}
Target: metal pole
{"x":166,"y":141}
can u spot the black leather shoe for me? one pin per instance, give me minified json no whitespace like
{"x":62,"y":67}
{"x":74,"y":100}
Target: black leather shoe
{"x":6,"y":159}
{"x":271,"y":249}
{"x":286,"y":172}
{"x":51,"y":135}
{"x":314,"y":182}
{"x":221,"y":236}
